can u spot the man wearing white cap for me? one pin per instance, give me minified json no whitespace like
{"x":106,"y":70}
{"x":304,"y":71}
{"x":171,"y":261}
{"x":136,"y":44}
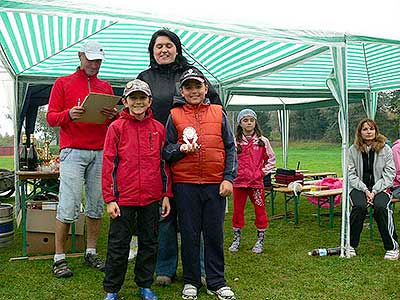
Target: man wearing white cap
{"x":81,"y":153}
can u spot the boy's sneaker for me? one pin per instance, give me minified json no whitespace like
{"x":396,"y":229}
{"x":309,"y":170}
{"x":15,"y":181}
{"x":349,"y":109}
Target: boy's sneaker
{"x":392,"y":254}
{"x":147,"y":294}
{"x":224,"y":293}
{"x":94,"y":261}
{"x":111,"y":296}
{"x":352,"y":252}
{"x":189,"y":292}
{"x":163,"y":280}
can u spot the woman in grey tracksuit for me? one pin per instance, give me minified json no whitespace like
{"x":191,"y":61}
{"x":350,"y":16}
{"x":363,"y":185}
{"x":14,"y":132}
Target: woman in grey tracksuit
{"x":371,"y":174}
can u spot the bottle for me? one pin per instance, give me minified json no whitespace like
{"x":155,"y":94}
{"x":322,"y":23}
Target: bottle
{"x":32,"y":158}
{"x":325,"y":252}
{"x":23,"y":155}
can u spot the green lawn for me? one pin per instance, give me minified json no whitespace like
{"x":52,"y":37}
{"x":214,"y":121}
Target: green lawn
{"x":284,"y":271}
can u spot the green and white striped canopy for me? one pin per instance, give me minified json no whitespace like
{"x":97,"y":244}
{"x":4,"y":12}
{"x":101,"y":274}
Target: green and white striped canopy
{"x":40,"y":42}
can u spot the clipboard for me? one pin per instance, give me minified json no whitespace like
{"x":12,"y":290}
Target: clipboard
{"x":93,"y":105}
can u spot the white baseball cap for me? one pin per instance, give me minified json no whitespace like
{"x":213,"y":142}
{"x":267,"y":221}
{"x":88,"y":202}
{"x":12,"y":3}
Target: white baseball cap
{"x":93,"y":50}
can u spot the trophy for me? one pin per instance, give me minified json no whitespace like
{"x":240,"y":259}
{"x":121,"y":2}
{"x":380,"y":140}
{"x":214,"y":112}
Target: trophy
{"x":190,"y":137}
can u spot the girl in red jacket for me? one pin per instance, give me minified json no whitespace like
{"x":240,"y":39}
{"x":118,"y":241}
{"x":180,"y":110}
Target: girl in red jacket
{"x":255,"y":160}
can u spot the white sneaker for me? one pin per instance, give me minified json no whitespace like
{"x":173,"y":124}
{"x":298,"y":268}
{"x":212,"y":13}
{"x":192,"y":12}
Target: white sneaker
{"x":189,"y":292}
{"x":352,"y":252}
{"x":392,"y":254}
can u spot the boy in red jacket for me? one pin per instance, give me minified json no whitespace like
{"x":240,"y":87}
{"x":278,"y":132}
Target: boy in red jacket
{"x":134,"y":180}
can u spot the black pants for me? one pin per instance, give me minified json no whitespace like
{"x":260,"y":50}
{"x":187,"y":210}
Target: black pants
{"x":201,"y":209}
{"x":383,"y":216}
{"x":119,"y":237}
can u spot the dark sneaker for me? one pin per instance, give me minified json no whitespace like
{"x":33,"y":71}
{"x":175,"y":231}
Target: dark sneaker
{"x":92,"y":260}
{"x":61,"y":269}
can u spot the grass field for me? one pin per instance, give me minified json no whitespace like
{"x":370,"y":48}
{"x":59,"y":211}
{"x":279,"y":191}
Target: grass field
{"x":284,"y":271}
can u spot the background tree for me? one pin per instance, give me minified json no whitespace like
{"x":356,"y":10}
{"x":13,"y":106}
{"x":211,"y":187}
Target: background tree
{"x":43,"y":130}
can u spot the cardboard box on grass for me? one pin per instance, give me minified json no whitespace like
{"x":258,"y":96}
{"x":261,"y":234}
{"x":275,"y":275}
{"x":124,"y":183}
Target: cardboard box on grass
{"x":40,"y":231}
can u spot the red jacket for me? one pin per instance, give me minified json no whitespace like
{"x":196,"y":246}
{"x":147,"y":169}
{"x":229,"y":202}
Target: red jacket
{"x":254,"y":162}
{"x":133,"y":173}
{"x":64,"y":95}
{"x":208,"y":164}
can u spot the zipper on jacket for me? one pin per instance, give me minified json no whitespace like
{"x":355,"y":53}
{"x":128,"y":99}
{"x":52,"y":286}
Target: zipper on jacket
{"x":89,"y":88}
{"x":196,"y":116}
{"x":151,"y":140}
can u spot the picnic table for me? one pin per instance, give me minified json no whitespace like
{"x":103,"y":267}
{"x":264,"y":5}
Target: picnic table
{"x":324,"y":196}
{"x":319,"y":175}
{"x":290,"y":195}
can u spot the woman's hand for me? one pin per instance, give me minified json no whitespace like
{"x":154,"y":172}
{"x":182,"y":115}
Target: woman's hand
{"x":370,"y":197}
{"x":113,"y":210}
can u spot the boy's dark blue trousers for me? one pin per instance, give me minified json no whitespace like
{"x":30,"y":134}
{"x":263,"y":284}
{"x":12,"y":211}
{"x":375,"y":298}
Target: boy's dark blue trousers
{"x":201,"y":209}
{"x":119,"y":238}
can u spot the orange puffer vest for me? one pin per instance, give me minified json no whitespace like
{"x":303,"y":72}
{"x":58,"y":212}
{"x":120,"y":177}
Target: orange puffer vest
{"x":208,"y":164}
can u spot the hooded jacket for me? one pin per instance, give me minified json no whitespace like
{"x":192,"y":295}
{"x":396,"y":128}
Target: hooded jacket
{"x":396,"y":158}
{"x":221,"y":143}
{"x":133,"y":172}
{"x":383,"y":168}
{"x":164,"y":84}
{"x":64,"y":95}
{"x":254,"y":162}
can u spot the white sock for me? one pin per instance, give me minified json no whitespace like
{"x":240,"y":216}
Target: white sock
{"x":59,"y":256}
{"x":90,"y":251}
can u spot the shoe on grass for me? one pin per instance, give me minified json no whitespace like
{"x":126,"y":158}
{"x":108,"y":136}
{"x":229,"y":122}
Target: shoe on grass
{"x":111,"y":296}
{"x":352,"y":252}
{"x":147,"y":294}
{"x":61,"y":269}
{"x":163,"y":280}
{"x":236,"y":240}
{"x":224,"y":293}
{"x":392,"y":254}
{"x":189,"y":292}
{"x":94,"y":261}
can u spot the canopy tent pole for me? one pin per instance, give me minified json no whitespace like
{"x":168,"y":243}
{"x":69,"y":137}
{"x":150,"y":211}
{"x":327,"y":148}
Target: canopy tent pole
{"x":370,"y":104}
{"x":283,"y":117}
{"x":337,"y":83}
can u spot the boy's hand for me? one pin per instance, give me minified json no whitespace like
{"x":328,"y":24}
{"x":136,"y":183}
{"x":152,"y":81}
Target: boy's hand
{"x":113,"y":210}
{"x":225,"y":188}
{"x":188,"y":148}
{"x":165,"y":207}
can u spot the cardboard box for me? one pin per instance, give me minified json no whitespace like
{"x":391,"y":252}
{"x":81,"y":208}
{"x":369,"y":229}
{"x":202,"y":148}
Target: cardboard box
{"x":43,"y":243}
{"x":40,"y":235}
{"x":44,"y":221}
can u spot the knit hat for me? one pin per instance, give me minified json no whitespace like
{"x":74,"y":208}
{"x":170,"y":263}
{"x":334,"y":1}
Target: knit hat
{"x":246,"y":112}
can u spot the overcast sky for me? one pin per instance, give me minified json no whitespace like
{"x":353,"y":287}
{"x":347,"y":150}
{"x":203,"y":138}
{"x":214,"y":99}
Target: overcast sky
{"x":378,"y":18}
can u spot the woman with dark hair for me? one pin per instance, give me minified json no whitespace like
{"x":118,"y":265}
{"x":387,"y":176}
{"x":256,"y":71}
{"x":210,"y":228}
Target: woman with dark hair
{"x":371,"y":174}
{"x":167,"y":64}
